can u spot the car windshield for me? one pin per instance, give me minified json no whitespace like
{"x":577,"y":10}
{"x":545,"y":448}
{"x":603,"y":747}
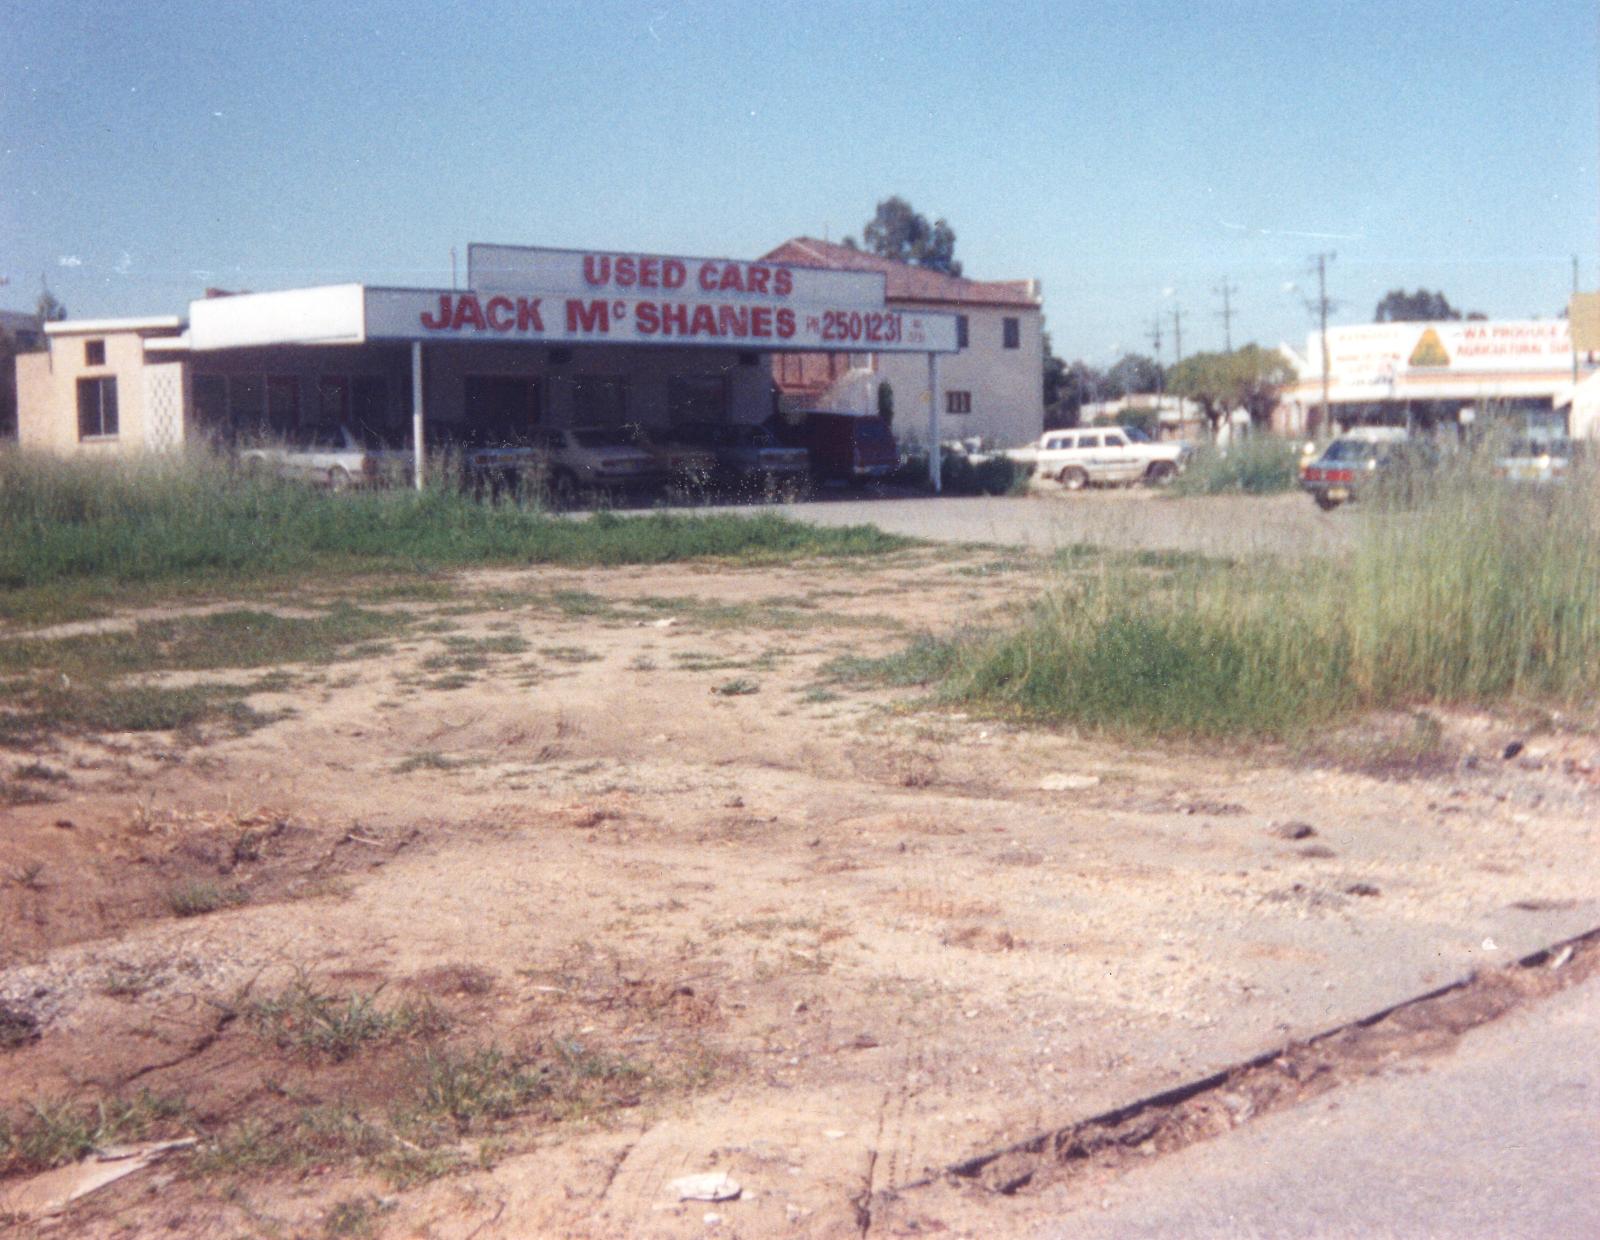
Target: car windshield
{"x":1541,"y":447}
{"x":1350,"y":450}
{"x":600,"y":439}
{"x":1135,"y":434}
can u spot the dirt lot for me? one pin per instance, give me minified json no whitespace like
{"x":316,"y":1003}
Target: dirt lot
{"x":714,"y":908}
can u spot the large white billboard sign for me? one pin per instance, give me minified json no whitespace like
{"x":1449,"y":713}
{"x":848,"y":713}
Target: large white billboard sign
{"x":601,"y":273}
{"x":765,"y":325}
{"x":1377,"y":353}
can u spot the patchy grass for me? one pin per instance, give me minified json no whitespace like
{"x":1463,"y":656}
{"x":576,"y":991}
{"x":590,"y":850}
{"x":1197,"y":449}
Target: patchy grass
{"x":54,"y":1132}
{"x":322,"y":1024}
{"x":569,"y":654}
{"x":740,"y":686}
{"x":1482,"y":595}
{"x":428,"y":760}
{"x":102,"y":682}
{"x":79,"y":531}
{"x":196,"y":899}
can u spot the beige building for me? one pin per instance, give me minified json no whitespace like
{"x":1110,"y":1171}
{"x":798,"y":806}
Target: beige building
{"x":992,"y":387}
{"x":540,"y":337}
{"x":104,"y":385}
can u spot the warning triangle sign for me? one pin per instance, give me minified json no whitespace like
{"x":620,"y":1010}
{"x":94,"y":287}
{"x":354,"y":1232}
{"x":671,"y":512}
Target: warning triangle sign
{"x":1429,"y":351}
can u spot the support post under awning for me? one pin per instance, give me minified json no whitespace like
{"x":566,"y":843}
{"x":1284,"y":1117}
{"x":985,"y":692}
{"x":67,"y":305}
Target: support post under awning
{"x":935,"y":455}
{"x":418,"y":443}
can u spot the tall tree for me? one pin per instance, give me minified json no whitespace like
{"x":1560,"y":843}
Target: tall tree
{"x":1134,"y":374}
{"x":1249,"y":378}
{"x":49,"y":307}
{"x":897,"y":231}
{"x":1399,"y":306}
{"x":1055,"y":373}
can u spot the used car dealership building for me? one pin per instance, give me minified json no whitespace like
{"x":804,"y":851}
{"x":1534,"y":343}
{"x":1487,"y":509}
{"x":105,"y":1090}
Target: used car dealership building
{"x":556,"y":338}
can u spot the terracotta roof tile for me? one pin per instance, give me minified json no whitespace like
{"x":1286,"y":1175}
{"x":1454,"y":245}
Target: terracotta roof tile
{"x":905,"y":282}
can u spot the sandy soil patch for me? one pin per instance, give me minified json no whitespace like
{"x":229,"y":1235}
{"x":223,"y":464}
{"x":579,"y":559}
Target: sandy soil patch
{"x":738,"y":917}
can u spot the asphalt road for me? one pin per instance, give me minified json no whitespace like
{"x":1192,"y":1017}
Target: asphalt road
{"x":1232,"y":525}
{"x":1499,"y":1139}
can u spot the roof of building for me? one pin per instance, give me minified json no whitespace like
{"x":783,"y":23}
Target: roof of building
{"x":905,"y":282}
{"x":96,"y":327}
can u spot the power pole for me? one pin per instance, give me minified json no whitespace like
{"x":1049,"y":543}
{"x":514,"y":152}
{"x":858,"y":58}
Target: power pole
{"x":1226,"y":314}
{"x":1154,"y":337}
{"x":1177,"y":334}
{"x":1321,"y":307}
{"x":1570,"y":333}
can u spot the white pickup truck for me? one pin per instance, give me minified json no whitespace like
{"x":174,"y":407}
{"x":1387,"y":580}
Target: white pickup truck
{"x":1102,"y":455}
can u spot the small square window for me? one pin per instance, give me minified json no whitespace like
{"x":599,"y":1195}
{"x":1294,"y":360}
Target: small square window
{"x":958,"y":402}
{"x":961,"y":331}
{"x":94,"y":352}
{"x":1013,"y":332}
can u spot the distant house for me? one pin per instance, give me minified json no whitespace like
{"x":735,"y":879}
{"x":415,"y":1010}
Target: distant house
{"x":19,"y":333}
{"x":992,"y":388}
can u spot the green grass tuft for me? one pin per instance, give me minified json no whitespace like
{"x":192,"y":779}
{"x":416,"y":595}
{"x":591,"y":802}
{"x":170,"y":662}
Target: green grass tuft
{"x":75,"y":530}
{"x":1481,"y":594}
{"x":1257,"y":465}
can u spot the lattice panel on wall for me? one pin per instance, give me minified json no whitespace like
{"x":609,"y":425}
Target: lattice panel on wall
{"x":163,"y":407}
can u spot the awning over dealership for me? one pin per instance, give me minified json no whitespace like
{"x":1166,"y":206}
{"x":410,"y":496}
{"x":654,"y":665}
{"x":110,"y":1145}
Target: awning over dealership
{"x":535,"y":296}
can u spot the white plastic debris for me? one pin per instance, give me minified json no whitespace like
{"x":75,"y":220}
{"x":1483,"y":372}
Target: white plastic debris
{"x":707,"y":1186}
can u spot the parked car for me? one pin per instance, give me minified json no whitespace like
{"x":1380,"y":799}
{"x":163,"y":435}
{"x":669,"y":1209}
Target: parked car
{"x":748,"y":458}
{"x":1538,"y":460}
{"x":589,"y":459}
{"x":333,"y":455}
{"x":683,"y":467}
{"x":1364,"y":460}
{"x":844,"y":446}
{"x":1102,"y":455}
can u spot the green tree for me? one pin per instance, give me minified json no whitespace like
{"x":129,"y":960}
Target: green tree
{"x":1055,"y":373}
{"x":1399,"y":306}
{"x":1134,"y":374}
{"x":48,"y":307}
{"x":897,"y":231}
{"x":1249,"y":378}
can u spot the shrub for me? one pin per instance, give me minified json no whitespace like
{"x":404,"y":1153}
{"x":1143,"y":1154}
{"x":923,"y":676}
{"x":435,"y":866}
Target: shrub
{"x":1483,"y":593}
{"x":1257,"y":465}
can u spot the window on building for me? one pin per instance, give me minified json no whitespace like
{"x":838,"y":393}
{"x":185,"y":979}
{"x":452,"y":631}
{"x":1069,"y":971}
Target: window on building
{"x":958,"y":402}
{"x":333,"y":399}
{"x":211,"y":408}
{"x":599,"y":400}
{"x":1013,"y":332}
{"x":369,"y":402}
{"x":283,"y":403}
{"x":961,"y":331}
{"x":97,"y":408}
{"x":500,"y":408}
{"x":697,"y":398}
{"x":94,"y":352}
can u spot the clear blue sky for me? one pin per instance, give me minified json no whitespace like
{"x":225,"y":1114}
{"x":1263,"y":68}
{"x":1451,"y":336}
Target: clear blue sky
{"x":1132,"y":156}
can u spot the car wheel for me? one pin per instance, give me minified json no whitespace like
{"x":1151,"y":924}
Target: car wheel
{"x":1073,"y":479}
{"x":1160,"y":473}
{"x":339,"y":479}
{"x":1325,"y":502}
